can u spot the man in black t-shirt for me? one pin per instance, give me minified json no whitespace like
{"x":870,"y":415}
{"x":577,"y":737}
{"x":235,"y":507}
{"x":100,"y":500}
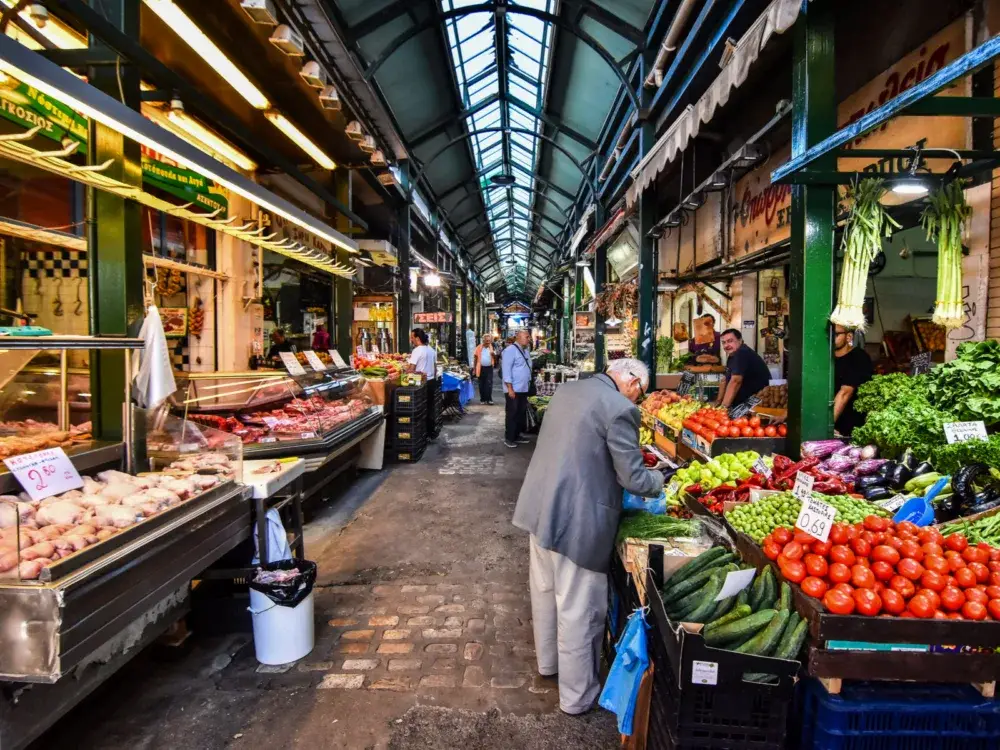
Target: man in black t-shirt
{"x":852,"y":367}
{"x":746,"y":373}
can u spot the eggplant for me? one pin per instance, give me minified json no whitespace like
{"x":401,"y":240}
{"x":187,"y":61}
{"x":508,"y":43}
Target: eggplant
{"x":865,"y":483}
{"x":924,"y":467}
{"x":874,"y":494}
{"x":886,"y":470}
{"x":900,"y":476}
{"x":909,"y":460}
{"x":964,"y":481}
{"x":986,"y":497}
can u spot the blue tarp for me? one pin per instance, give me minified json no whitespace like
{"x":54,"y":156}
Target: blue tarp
{"x":466,"y":390}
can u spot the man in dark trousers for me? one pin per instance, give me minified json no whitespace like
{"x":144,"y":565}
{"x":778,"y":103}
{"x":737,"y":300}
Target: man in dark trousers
{"x":852,"y":367}
{"x":516,"y":368}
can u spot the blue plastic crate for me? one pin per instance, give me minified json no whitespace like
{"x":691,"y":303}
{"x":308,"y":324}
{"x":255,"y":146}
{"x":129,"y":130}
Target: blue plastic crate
{"x":899,"y":716}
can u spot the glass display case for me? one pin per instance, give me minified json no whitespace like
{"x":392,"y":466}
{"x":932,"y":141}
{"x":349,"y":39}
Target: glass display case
{"x":269,"y":410}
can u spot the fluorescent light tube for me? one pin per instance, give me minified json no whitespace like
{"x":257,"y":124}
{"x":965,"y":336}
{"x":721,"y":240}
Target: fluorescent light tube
{"x":202,"y":136}
{"x":300,"y":139}
{"x":195,"y":38}
{"x":57,"y":32}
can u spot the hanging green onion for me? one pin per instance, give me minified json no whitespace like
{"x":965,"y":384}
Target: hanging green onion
{"x":944,"y":221}
{"x":866,"y":226}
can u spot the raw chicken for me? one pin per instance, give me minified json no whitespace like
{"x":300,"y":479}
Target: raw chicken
{"x":120,"y":490}
{"x":118,"y":516}
{"x":44,"y":549}
{"x":59,"y":513}
{"x":93,"y":501}
{"x":204,"y":481}
{"x":168,"y":497}
{"x":183,"y":488}
{"x":29,"y":571}
{"x":91,"y":486}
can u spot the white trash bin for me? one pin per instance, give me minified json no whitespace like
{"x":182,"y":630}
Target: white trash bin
{"x":281,"y":634}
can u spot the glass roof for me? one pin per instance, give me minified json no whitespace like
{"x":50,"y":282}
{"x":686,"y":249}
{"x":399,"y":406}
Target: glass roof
{"x":516,"y":92}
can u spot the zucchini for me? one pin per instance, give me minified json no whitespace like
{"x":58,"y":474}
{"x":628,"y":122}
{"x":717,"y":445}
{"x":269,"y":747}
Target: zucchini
{"x":708,"y":604}
{"x":699,"y":563}
{"x":738,"y":612}
{"x":767,"y":639}
{"x":785,"y":602}
{"x":745,"y":627}
{"x":791,"y":645}
{"x":699,"y":579}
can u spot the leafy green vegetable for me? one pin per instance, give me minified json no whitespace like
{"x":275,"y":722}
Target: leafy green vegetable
{"x":950,"y":458}
{"x":882,"y":390}
{"x":912,"y":423}
{"x":643,"y":525}
{"x":970,"y":384}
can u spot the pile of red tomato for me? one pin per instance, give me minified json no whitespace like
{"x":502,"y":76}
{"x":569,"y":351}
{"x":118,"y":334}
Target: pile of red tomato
{"x":712,"y":423}
{"x":878,"y":567}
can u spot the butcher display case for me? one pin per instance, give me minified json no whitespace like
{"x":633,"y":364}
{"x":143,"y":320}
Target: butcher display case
{"x":276,"y":414}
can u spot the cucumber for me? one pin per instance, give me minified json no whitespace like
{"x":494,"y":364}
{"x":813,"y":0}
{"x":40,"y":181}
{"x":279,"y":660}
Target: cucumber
{"x":673,"y":593}
{"x":785,"y":602}
{"x":767,"y":639}
{"x":699,"y":563}
{"x":745,"y":627}
{"x":738,"y":612}
{"x":744,"y":597}
{"x":721,"y":608}
{"x":791,"y":645}
{"x":769,"y":596}
{"x":756,"y":592}
{"x":690,"y":601}
{"x":708,"y":605}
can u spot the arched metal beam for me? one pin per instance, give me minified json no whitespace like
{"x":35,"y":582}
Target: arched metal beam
{"x":515,"y":186}
{"x":492,"y":231}
{"x":494,"y":7}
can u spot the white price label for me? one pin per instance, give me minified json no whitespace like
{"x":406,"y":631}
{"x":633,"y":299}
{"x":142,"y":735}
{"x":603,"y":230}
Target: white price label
{"x":959,"y":432}
{"x":292,"y":364}
{"x":45,"y":473}
{"x":803,"y":485}
{"x":307,"y":435}
{"x":361,"y":351}
{"x":268,"y":440}
{"x":816,"y":518}
{"x":673,"y":487}
{"x":761,"y":468}
{"x":314,"y":361}
{"x":705,"y":672}
{"x":893,"y":503}
{"x":338,"y":360}
{"x":735,"y":583}
{"x":271,"y":422}
{"x":375,"y":350}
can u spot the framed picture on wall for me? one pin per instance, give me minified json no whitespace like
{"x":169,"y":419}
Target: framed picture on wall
{"x":175,"y":320}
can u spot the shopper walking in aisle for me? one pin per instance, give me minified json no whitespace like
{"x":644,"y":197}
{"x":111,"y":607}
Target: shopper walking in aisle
{"x":516,"y":367}
{"x":483,"y":359}
{"x":587,"y":452}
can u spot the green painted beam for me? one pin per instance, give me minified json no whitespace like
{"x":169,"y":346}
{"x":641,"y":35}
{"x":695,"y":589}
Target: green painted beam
{"x":955,"y":106}
{"x":648,"y":210}
{"x":814,"y":117}
{"x":343,"y":288}
{"x":403,"y":221}
{"x":600,"y":277}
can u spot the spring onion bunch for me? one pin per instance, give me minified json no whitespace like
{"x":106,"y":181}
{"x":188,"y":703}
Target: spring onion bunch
{"x":944,"y":220}
{"x":866,"y":226}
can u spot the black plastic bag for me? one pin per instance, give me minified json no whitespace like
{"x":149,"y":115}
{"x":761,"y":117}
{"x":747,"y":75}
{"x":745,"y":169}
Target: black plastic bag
{"x":290,"y":593}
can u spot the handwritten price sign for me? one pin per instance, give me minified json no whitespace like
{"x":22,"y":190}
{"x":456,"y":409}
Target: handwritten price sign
{"x":816,"y":518}
{"x":45,"y":473}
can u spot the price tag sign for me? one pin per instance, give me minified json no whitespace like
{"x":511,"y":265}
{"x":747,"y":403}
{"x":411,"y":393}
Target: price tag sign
{"x":687,"y":380}
{"x":268,"y":440}
{"x":959,"y":432}
{"x":292,"y":364}
{"x":803,"y":486}
{"x":271,"y":422}
{"x":338,"y":361}
{"x":735,"y":582}
{"x":816,"y":518}
{"x":673,"y":487}
{"x":361,"y":351}
{"x":761,"y":468}
{"x":307,"y":435}
{"x":920,"y":363}
{"x":661,"y":429}
{"x":705,"y":672}
{"x":45,"y":473}
{"x":314,"y":361}
{"x":893,"y":503}
{"x":742,"y":410}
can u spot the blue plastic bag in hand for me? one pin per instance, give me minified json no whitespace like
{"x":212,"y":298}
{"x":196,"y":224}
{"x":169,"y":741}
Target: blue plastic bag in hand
{"x":655,"y":505}
{"x":622,"y":686}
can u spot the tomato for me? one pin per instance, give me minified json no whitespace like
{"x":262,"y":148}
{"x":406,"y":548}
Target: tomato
{"x":782,"y":430}
{"x":981,"y":572}
{"x":803,"y":537}
{"x":955,"y":561}
{"x":994,"y":554}
{"x":769,"y":431}
{"x":885,"y":553}
{"x":758,"y":431}
{"x":932,"y":548}
{"x":816,"y":565}
{"x":932,"y":580}
{"x":814,"y":587}
{"x":994,"y":608}
{"x":821,"y":548}
{"x":845,"y":587}
{"x":767,"y":540}
{"x":975,"y":595}
{"x":734,"y":431}
{"x":894,"y":541}
{"x":741,"y":422}
{"x":772,"y":550}
{"x":974,"y":611}
{"x":892,"y":602}
{"x":910,"y":568}
{"x":938,"y":564}
{"x":903,"y":585}
{"x":867,"y":602}
{"x":932,"y":596}
{"x":838,"y":602}
{"x":782,"y":535}
{"x":965,"y":578}
{"x":906,"y":527}
{"x":952,"y":599}
{"x":939,"y":615}
{"x":974,"y":554}
{"x":994,"y":566}
{"x":754,"y":422}
{"x":862,"y":577}
{"x":882,"y":570}
{"x":839,"y":573}
{"x":920,"y":606}
{"x":841,"y":553}
{"x":955,"y":616}
{"x":929,"y":535}
{"x":911,"y":550}
{"x":794,"y":570}
{"x":863,"y":562}
{"x":792,"y":551}
{"x":956,"y":542}
{"x":875,"y":523}
{"x":861,"y":546}
{"x":746,"y":431}
{"x":838,"y":533}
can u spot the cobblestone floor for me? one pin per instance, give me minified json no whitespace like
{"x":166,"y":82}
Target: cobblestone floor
{"x":423,"y":632}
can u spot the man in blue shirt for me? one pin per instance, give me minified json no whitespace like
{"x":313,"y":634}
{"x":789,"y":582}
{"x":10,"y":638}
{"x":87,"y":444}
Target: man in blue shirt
{"x":516,"y":367}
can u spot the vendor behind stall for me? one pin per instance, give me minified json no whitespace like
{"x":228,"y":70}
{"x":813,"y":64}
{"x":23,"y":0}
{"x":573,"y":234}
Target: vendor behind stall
{"x":423,"y":357}
{"x":852,"y":367}
{"x":704,"y":347}
{"x":746,"y":373}
{"x":278,"y":344}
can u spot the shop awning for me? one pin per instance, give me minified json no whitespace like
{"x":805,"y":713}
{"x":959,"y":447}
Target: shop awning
{"x":777,"y":19}
{"x":609,"y":230}
{"x":34,"y":70}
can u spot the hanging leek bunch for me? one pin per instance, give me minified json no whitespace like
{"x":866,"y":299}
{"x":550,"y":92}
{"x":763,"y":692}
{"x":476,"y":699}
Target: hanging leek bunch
{"x":867,"y":225}
{"x":944,"y":221}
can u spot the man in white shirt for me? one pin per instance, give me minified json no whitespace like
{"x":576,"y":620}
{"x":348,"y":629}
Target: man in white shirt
{"x":423,"y":357}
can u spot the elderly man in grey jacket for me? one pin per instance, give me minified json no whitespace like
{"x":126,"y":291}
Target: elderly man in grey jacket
{"x":570,"y":502}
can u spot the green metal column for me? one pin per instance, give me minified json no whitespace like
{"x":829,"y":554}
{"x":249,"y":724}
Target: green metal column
{"x":114,"y":232}
{"x":343,"y":287}
{"x":403,"y":308}
{"x":566,"y":353}
{"x":646,"y":334}
{"x":453,"y":337}
{"x":600,"y":277}
{"x":810,"y":372}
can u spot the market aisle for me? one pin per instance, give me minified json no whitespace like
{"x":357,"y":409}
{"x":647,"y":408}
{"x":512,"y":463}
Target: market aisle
{"x":423,"y":631}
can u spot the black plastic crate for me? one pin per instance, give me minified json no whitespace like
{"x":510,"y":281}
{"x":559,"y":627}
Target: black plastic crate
{"x":409,"y":399}
{"x":408,"y":454}
{"x":404,"y":434}
{"x":411,"y":419}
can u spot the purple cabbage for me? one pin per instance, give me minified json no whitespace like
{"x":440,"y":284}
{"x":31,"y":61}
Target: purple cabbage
{"x":821,"y":448}
{"x":869,"y":467}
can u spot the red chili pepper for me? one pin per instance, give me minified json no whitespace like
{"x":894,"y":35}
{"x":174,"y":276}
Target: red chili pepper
{"x":693,"y":489}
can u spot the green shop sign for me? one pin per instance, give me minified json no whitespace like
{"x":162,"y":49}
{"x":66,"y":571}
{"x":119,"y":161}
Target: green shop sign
{"x":189,"y":186}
